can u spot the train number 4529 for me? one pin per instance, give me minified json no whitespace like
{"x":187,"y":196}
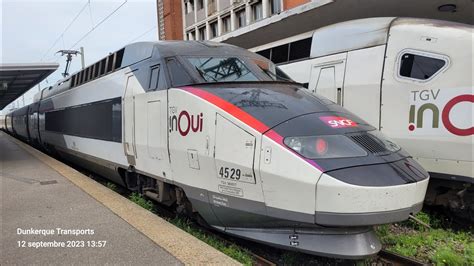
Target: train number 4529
{"x":231,"y":173}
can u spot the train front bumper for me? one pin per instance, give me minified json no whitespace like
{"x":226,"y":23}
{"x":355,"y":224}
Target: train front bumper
{"x":342,"y":204}
{"x":344,"y":243}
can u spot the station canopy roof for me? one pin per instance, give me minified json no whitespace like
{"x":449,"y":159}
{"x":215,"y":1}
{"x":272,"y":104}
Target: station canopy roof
{"x":16,"y":79}
{"x":319,"y":13}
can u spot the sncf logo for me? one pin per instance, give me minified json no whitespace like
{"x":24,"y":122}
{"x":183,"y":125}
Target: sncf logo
{"x":184,"y":122}
{"x":338,"y":121}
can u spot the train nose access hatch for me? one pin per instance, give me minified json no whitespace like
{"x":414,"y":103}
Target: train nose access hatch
{"x":234,"y":156}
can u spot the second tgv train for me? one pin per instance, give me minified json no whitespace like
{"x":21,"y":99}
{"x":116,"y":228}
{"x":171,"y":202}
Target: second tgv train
{"x":210,"y":129}
{"x":411,"y":78}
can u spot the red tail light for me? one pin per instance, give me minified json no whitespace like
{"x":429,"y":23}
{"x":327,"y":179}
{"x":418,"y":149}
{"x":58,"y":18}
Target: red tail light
{"x":321,"y":146}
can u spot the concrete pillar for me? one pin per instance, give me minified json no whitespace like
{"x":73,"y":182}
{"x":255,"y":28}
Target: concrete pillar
{"x":208,"y":31}
{"x":219,"y":26}
{"x":232,"y":20}
{"x":265,"y":8}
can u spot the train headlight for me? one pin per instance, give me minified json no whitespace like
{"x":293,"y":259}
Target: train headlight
{"x":324,"y":147}
{"x":294,"y":144}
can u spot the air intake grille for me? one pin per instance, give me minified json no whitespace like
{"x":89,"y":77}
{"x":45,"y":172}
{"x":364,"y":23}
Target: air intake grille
{"x":370,"y":144}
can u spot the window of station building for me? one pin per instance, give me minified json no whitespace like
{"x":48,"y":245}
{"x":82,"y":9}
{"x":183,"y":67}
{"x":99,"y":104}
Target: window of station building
{"x":202,"y":33}
{"x":300,"y":49}
{"x":257,"y":11}
{"x":420,"y":67}
{"x":192,"y":35}
{"x":226,"y":24}
{"x":280,"y":54}
{"x":211,"y":7}
{"x":213,"y":29}
{"x":200,"y":4}
{"x":189,"y":5}
{"x":240,"y":17}
{"x":275,"y":6}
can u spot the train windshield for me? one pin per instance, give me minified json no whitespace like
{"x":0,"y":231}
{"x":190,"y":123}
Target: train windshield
{"x":222,"y":69}
{"x":234,"y":69}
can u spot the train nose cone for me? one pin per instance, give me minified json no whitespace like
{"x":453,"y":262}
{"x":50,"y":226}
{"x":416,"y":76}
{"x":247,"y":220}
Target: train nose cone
{"x":371,"y":194}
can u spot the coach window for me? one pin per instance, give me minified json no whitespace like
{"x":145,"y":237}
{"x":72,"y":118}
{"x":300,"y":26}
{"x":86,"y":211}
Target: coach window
{"x":102,"y":66}
{"x":96,"y":70}
{"x":91,"y":72}
{"x":81,"y":81}
{"x":118,"y":58}
{"x":110,"y":63}
{"x":280,"y":54}
{"x":420,"y":67}
{"x":300,"y":49}
{"x":265,"y":53}
{"x":73,"y":81}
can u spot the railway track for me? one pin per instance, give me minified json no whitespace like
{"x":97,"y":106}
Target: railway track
{"x":269,"y":257}
{"x":391,"y":258}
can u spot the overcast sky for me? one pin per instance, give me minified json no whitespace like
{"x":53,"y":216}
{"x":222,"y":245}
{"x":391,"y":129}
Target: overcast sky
{"x":34,"y":30}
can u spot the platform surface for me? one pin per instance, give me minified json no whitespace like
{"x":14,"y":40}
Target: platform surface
{"x":36,"y":194}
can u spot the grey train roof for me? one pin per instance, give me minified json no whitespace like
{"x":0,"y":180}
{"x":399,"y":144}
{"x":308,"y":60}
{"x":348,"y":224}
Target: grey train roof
{"x":142,"y":50}
{"x":361,"y":33}
{"x":136,"y":52}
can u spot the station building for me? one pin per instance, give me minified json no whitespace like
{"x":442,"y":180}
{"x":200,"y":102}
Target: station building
{"x":281,"y":30}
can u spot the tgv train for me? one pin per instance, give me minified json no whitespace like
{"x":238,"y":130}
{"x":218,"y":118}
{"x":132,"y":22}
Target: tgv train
{"x":412,"y":79}
{"x":211,"y":129}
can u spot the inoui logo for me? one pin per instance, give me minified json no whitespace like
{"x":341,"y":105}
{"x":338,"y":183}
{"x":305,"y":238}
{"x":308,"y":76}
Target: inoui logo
{"x":428,"y":99}
{"x":184,"y":122}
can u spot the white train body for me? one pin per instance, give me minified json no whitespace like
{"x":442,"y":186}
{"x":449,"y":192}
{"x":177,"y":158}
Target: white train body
{"x":410,"y":77}
{"x":152,"y":118}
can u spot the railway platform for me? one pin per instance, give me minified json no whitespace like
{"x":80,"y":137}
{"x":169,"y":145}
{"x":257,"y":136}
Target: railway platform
{"x":52,"y":214}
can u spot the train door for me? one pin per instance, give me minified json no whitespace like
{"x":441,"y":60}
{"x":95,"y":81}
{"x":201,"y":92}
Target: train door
{"x":362,"y":82}
{"x":131,"y":88}
{"x":327,"y":77}
{"x":151,"y":135}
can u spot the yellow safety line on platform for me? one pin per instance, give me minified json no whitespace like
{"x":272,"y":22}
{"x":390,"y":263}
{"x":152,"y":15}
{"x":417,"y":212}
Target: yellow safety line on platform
{"x":177,"y":242}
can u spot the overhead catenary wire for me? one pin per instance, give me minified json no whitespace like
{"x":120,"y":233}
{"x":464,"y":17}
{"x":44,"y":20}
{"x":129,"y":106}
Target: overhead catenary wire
{"x":143,"y":34}
{"x":66,"y":29}
{"x":98,"y":24}
{"x":90,"y":14}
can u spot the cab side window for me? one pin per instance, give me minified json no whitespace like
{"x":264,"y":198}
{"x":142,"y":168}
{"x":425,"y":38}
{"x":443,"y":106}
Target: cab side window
{"x":154,"y":77}
{"x":420,"y":67}
{"x":178,"y":75}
